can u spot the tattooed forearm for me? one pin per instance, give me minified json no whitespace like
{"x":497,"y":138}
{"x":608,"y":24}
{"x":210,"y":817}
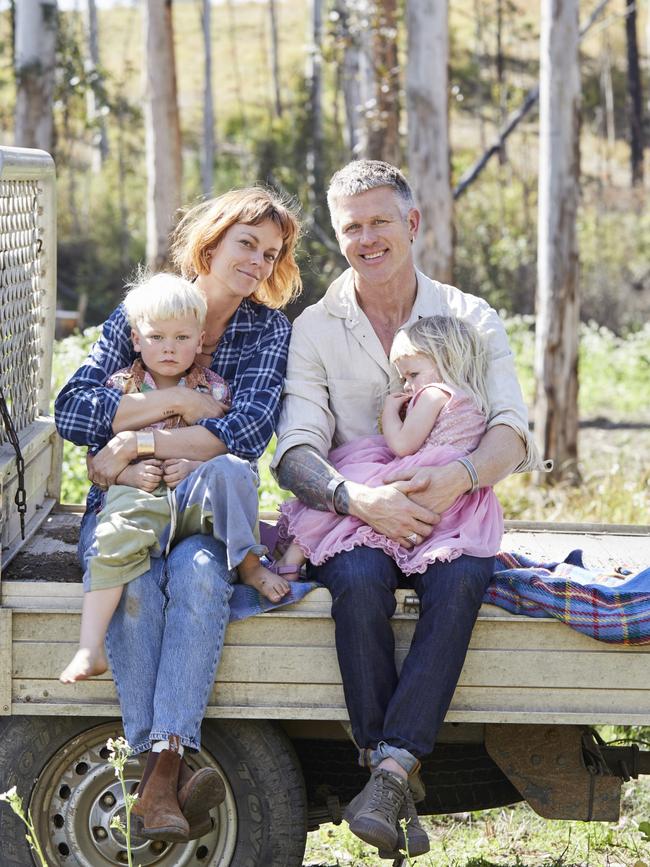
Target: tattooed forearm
{"x":306,"y":473}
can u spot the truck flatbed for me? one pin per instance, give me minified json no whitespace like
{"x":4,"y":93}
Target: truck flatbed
{"x":282,"y":665}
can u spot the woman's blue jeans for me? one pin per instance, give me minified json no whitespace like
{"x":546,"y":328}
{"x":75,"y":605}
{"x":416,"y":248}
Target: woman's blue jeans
{"x":165,"y":639}
{"x":403,"y":712}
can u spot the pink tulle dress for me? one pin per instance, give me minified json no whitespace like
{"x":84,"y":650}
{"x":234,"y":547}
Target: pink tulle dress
{"x":472,"y":525}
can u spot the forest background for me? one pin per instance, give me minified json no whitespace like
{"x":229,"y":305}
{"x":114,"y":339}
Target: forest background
{"x":279,"y":98}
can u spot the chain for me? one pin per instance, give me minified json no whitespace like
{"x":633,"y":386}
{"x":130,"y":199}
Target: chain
{"x":21,"y":494}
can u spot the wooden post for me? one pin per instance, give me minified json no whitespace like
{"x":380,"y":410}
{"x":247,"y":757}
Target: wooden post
{"x":557,"y":302}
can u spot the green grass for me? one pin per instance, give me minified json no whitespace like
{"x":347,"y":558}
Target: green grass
{"x":508,"y":837}
{"x":615,"y":463}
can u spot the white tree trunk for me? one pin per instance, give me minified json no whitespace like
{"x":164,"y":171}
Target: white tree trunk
{"x":428,"y":134}
{"x":352,"y":95}
{"x":314,"y":77}
{"x":35,"y":53}
{"x":275,"y":58}
{"x":557,"y":303}
{"x":93,"y":100}
{"x":207,"y":156}
{"x":162,"y":127}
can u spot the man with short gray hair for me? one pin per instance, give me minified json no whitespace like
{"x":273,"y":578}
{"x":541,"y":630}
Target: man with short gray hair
{"x":338,"y":375}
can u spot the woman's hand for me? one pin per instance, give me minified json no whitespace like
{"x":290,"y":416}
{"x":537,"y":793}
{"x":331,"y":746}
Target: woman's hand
{"x":177,"y":469}
{"x":145,"y":475}
{"x":108,"y":463}
{"x":195,"y":405}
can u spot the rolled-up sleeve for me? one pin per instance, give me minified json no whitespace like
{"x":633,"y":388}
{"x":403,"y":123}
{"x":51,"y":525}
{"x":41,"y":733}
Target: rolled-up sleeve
{"x":506,"y":400}
{"x":85,"y":408}
{"x":306,"y":417}
{"x":248,"y":426}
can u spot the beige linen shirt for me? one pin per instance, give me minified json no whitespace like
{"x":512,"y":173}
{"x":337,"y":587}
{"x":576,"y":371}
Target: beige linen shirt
{"x":338,"y":374}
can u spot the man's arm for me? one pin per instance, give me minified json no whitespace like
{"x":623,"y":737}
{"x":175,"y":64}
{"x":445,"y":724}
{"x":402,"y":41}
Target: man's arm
{"x":386,"y":509}
{"x":306,"y":473}
{"x":499,"y":453}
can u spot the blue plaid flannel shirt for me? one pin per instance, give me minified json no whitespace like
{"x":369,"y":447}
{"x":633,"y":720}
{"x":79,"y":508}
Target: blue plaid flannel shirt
{"x":251,"y":357}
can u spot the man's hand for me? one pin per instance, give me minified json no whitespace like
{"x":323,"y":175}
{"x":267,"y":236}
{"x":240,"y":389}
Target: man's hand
{"x":176,"y":469}
{"x":390,"y":512}
{"x":196,"y":405}
{"x":434,"y":488}
{"x":108,"y":463}
{"x":145,"y":475}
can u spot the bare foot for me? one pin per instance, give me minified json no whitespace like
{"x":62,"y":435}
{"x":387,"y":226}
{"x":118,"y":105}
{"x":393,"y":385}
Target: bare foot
{"x":87,"y":662}
{"x":272,"y":586}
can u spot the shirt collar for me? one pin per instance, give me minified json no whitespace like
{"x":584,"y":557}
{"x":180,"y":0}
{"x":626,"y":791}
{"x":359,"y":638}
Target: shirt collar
{"x":341,"y":299}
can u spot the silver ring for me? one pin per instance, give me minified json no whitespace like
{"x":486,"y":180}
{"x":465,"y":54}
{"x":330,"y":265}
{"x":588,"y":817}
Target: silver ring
{"x":413,"y":537}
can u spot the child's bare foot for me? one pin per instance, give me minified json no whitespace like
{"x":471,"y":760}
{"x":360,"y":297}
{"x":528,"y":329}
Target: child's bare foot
{"x":270,"y":585}
{"x":87,"y":662}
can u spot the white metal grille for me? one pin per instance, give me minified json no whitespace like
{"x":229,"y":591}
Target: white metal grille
{"x":20,"y":299}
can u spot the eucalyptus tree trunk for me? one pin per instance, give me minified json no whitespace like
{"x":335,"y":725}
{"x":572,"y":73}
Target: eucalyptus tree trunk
{"x":382,"y":111}
{"x":162,"y":128}
{"x":208,"y":151}
{"x":314,"y":79}
{"x":94,"y":101}
{"x":350,"y":82}
{"x":428,"y":134}
{"x":557,"y":303}
{"x":634,"y":98}
{"x":275,"y":58}
{"x":34,"y":64}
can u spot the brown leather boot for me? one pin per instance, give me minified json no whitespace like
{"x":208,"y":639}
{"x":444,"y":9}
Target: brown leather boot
{"x":157,"y":802}
{"x":198,"y":792}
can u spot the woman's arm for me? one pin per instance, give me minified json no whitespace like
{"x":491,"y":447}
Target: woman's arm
{"x":85,"y":407}
{"x":404,"y":437}
{"x":136,"y":411}
{"x":254,"y":362}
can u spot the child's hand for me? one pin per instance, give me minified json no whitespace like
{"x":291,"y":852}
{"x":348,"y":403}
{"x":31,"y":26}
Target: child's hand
{"x":395,"y":403}
{"x":145,"y":475}
{"x":177,"y":469}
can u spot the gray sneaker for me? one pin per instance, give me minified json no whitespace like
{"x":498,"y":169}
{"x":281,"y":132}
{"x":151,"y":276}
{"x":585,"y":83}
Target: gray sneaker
{"x":372,"y":815}
{"x":416,"y":836}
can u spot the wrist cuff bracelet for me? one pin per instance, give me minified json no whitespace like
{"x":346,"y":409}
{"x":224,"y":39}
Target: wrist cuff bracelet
{"x":330,"y":492}
{"x":145,"y":444}
{"x":471,"y":471}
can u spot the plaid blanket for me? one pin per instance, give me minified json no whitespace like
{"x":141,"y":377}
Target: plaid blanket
{"x":612,"y":607}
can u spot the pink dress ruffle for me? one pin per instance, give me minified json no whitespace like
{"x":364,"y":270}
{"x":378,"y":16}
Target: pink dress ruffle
{"x":472,"y":525}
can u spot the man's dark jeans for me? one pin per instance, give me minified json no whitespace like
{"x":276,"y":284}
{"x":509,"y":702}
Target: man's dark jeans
{"x":405,"y":711}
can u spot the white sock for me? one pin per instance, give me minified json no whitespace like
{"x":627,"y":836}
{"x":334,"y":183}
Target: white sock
{"x":159,"y":746}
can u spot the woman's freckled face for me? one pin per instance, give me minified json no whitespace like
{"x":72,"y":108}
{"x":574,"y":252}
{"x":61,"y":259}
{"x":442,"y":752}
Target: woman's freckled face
{"x":245,"y":257}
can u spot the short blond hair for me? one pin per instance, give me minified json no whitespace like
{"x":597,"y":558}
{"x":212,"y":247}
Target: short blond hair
{"x":203,"y":226}
{"x":152,"y":297}
{"x":456,"y":347}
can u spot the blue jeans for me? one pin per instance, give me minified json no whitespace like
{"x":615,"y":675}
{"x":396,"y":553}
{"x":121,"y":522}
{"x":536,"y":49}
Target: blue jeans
{"x":165,"y":639}
{"x":405,"y":712}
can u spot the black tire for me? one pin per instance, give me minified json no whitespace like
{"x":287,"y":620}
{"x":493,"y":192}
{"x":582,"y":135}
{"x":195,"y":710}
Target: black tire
{"x":58,"y":767}
{"x":457,"y":777}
